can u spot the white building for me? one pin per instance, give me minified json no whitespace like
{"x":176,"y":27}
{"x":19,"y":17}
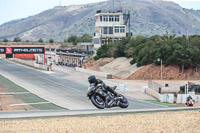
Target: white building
{"x":109,"y":26}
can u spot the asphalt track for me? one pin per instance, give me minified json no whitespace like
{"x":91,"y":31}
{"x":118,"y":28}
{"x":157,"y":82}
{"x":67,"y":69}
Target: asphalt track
{"x":57,"y":89}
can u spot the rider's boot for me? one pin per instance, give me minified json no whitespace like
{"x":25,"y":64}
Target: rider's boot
{"x":116,"y":94}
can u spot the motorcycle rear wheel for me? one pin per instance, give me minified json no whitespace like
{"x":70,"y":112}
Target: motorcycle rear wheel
{"x":97,"y":101}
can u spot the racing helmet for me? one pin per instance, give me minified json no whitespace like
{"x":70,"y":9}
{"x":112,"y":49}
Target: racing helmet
{"x":92,"y":79}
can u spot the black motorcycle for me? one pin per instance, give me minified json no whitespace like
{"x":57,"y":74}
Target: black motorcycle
{"x":101,"y":98}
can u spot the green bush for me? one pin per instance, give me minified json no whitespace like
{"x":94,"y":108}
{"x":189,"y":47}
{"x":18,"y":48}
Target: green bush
{"x":168,"y":47}
{"x":5,"y":40}
{"x":17,"y":39}
{"x":51,"y":40}
{"x":40,"y":40}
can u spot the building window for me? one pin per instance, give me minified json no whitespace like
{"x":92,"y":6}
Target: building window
{"x":105,"y":30}
{"x":116,"y":29}
{"x":100,"y":18}
{"x":117,"y":18}
{"x":105,"y":18}
{"x":110,"y":30}
{"x":96,"y":40}
{"x":111,"y":18}
{"x":122,"y":29}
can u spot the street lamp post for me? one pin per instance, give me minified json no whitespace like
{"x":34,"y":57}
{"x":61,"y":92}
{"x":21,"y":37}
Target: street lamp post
{"x":161,"y":75}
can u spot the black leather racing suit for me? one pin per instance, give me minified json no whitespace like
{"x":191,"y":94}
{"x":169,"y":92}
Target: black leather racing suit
{"x":108,"y":88}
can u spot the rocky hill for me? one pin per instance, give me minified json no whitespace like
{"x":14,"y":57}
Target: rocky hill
{"x":148,"y":17}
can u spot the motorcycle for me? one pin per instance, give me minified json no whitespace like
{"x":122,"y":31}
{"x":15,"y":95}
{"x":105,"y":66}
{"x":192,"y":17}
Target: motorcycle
{"x":189,"y":101}
{"x":101,"y":98}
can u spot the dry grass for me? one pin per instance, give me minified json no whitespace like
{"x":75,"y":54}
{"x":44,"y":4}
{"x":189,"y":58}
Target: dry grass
{"x":163,"y":122}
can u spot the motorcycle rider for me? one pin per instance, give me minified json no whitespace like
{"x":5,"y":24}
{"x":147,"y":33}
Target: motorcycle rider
{"x":188,"y":100}
{"x":94,"y":81}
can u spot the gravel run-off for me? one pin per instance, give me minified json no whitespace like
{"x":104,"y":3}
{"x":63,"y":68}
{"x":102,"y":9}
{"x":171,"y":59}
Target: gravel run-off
{"x":159,"y":122}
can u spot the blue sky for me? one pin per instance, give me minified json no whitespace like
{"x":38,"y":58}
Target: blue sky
{"x":15,"y":9}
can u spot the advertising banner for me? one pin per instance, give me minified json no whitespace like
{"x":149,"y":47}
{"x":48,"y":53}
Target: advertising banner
{"x":8,"y":50}
{"x":2,"y":50}
{"x":28,"y":50}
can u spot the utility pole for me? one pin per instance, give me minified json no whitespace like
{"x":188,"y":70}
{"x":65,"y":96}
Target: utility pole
{"x":161,"y":73}
{"x":129,"y":24}
{"x":187,"y":26}
{"x":113,"y":6}
{"x":120,"y":5}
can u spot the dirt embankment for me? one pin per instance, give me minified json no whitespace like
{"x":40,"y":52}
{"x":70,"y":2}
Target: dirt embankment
{"x":95,"y":64}
{"x":172,"y":72}
{"x":121,"y":68}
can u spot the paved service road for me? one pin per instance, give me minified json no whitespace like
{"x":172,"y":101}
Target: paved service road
{"x":56,"y":88}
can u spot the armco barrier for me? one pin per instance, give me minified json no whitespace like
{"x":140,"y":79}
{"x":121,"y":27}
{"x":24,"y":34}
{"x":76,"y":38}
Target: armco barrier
{"x":102,"y":74}
{"x":153,"y":93}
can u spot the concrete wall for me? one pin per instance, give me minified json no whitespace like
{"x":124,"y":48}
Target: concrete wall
{"x":181,"y":98}
{"x":168,"y":90}
{"x":153,"y":93}
{"x":101,"y":74}
{"x":30,"y":63}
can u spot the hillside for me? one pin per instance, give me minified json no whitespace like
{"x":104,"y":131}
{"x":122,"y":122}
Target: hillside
{"x":148,"y":17}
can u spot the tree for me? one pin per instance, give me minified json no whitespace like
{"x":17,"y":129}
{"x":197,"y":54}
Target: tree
{"x":40,"y":40}
{"x":102,"y":52}
{"x":85,"y":38}
{"x":73,"y":39}
{"x":5,"y":40}
{"x":171,"y":49}
{"x":182,"y":57}
{"x":51,"y":40}
{"x":120,"y":48}
{"x":27,"y":40}
{"x":168,"y":36}
{"x":17,"y":39}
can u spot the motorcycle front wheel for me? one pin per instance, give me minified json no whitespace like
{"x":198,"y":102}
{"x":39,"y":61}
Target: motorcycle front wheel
{"x":98,"y":102}
{"x":123,"y":102}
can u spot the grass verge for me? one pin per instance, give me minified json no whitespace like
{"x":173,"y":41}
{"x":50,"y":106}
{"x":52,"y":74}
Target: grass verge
{"x":28,"y":97}
{"x":165,"y":104}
